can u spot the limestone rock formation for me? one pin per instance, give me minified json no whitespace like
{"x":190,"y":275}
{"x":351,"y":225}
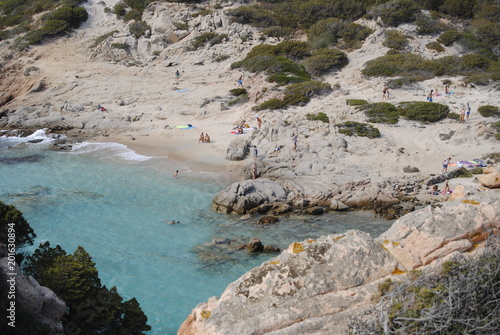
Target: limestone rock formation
{"x":490,"y":180}
{"x":317,"y":286}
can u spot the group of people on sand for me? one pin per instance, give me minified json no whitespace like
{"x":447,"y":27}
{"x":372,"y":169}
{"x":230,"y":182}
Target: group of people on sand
{"x":204,"y":138}
{"x":465,"y":113}
{"x":436,"y":191}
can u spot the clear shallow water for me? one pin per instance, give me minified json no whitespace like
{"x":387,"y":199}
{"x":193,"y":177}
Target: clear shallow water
{"x":117,"y":204}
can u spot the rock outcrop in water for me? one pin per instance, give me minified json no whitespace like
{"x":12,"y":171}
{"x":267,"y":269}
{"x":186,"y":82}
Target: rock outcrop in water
{"x":318,"y":286}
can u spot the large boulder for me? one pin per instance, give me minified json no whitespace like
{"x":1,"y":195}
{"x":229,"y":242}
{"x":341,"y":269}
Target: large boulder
{"x":301,"y":291}
{"x":433,"y":232}
{"x":490,"y":180}
{"x":237,"y":150}
{"x":241,"y":197}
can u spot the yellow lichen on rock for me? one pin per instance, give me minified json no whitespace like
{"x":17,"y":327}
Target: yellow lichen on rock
{"x":398,"y":271}
{"x":311,"y":241}
{"x":273,"y":263}
{"x":339,"y":237}
{"x":472,"y":202}
{"x":297,"y":247}
{"x":205,"y":314}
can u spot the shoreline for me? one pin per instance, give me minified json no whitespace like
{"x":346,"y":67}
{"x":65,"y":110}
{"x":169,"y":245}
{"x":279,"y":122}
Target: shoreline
{"x":197,"y":157}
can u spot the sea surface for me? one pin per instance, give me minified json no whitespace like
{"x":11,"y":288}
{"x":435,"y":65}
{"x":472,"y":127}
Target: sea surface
{"x":118,"y":205}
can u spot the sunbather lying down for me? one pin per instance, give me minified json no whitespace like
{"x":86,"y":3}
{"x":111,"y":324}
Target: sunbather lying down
{"x":278,"y":149}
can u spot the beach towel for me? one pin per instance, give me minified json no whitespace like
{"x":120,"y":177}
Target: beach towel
{"x":187,"y":126}
{"x":181,"y":90}
{"x":235,"y":132}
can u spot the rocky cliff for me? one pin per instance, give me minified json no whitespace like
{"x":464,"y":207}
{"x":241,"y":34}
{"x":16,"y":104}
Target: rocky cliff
{"x":318,"y":286}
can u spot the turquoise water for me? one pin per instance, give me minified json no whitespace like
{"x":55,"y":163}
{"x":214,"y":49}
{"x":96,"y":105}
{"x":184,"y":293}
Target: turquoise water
{"x":117,"y":205}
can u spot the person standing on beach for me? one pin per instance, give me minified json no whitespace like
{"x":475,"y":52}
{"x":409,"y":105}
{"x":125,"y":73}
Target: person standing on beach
{"x":240,"y":81}
{"x":259,"y":122}
{"x":295,"y":141}
{"x":176,"y":173}
{"x":254,"y":171}
{"x":462,"y":114}
{"x":255,"y":153}
{"x":468,"y":111}
{"x":177,"y":76}
{"x":446,"y":162}
{"x":385,"y":93}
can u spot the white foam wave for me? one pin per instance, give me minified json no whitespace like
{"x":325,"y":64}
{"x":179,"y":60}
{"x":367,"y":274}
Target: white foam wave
{"x":118,"y":150}
{"x":40,"y":134}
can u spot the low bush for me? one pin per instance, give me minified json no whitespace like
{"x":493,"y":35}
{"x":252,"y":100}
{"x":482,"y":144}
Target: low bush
{"x":401,"y":82}
{"x":253,"y":15}
{"x":421,"y":305}
{"x":203,"y":12}
{"x":272,"y":104}
{"x":208,"y":38}
{"x":448,"y":37}
{"x":324,"y":61}
{"x":453,"y":116}
{"x":462,"y":173}
{"x":295,"y":50}
{"x":132,"y":15}
{"x":138,"y":28}
{"x":423,"y":111}
{"x":395,"y":12}
{"x":123,"y":46}
{"x":318,"y":117}
{"x":381,"y":112}
{"x":477,"y":170}
{"x":242,"y":98}
{"x":277,"y":31}
{"x":103,"y":37}
{"x":435,"y":46}
{"x":337,"y":32}
{"x":489,"y":111}
{"x":181,"y":25}
{"x":119,"y":10}
{"x":238,"y":91}
{"x":356,"y":102}
{"x":426,"y":25}
{"x":351,"y":128}
{"x":395,"y":40}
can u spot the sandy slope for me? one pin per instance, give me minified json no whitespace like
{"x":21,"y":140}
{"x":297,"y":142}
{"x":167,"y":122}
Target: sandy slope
{"x":68,"y":69}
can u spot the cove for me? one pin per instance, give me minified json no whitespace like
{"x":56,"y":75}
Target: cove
{"x":117,"y":205}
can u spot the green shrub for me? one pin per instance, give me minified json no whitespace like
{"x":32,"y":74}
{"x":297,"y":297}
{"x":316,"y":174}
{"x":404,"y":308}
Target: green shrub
{"x":401,"y":82}
{"x":181,"y":25}
{"x":351,"y":128}
{"x":132,"y":15}
{"x":395,"y":40}
{"x":435,"y":46}
{"x":396,"y":12}
{"x":474,"y":62}
{"x":318,"y":117}
{"x":253,"y":15}
{"x":462,"y":173}
{"x":203,"y":12}
{"x":337,"y":32}
{"x":119,"y":10}
{"x":460,"y":8}
{"x":208,"y":38}
{"x":423,"y":111}
{"x":103,"y":37}
{"x":356,"y":102}
{"x":478,"y":79}
{"x":489,"y":111}
{"x":426,"y":25}
{"x":272,"y":104}
{"x":477,"y":170}
{"x":242,"y":98}
{"x":381,"y":112}
{"x":238,"y":91}
{"x":277,"y":31}
{"x":453,"y":116}
{"x":324,"y":61}
{"x":294,"y":49}
{"x":138,"y":28}
{"x":123,"y":46}
{"x":221,"y":58}
{"x":448,"y":37}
